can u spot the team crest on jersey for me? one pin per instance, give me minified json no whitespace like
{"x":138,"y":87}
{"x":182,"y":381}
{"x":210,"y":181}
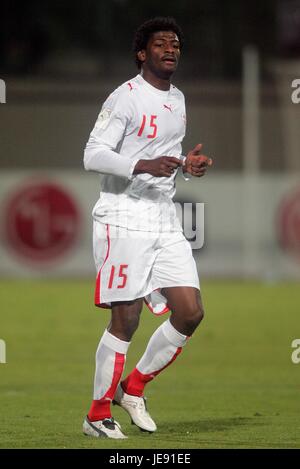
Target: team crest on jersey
{"x":103,"y":118}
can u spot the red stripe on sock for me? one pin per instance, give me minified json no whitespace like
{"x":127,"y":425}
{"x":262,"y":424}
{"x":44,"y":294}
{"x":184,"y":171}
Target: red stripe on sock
{"x":118,"y":370}
{"x":100,"y":409}
{"x":136,"y":381}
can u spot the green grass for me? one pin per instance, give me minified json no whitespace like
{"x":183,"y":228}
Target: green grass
{"x":233,"y":386}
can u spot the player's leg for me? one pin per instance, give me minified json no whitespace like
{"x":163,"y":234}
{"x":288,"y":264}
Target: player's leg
{"x":125,"y":318}
{"x":186,"y":308}
{"x":110,"y":361}
{"x":175,"y":271}
{"x":167,"y":341}
{"x":163,"y":348}
{"x":124,"y":259}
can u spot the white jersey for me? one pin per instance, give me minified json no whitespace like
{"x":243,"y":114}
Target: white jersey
{"x":137,"y":121}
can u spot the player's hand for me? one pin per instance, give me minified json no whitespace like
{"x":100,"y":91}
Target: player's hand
{"x":195,"y":163}
{"x":164,"y":166}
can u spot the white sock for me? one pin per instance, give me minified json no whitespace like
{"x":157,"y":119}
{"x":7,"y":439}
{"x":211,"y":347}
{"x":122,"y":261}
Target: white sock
{"x":110,"y":360}
{"x":162,"y":348}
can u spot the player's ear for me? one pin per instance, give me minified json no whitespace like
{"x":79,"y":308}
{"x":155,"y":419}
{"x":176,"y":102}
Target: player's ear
{"x":141,"y":55}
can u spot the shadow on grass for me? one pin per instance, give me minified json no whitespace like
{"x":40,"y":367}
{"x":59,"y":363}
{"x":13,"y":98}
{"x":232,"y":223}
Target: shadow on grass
{"x":208,"y":425}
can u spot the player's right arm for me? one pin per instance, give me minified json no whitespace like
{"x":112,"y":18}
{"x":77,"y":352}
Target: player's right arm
{"x":101,"y":153}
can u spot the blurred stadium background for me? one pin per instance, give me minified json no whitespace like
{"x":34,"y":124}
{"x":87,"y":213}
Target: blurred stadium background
{"x":59,"y":61}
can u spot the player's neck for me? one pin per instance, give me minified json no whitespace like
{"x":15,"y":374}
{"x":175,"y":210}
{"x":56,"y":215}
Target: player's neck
{"x":160,"y":83}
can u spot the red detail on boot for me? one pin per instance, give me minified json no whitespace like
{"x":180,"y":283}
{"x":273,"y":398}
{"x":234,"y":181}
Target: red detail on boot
{"x":136,"y":381}
{"x":100,"y":409}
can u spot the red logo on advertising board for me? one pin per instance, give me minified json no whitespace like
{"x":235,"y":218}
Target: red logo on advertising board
{"x":42,"y":221}
{"x":288,"y":223}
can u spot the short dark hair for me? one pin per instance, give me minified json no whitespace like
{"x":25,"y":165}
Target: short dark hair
{"x":145,"y":31}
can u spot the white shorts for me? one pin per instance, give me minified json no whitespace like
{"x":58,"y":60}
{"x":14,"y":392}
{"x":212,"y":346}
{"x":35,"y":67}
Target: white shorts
{"x":137,"y":264}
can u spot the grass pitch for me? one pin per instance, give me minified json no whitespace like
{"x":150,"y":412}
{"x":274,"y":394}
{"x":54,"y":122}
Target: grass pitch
{"x":233,"y":386}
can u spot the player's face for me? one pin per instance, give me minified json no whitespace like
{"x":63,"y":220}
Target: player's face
{"x":162,"y":53}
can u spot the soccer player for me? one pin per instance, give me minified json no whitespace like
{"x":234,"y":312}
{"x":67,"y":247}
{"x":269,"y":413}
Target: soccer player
{"x":139,"y":247}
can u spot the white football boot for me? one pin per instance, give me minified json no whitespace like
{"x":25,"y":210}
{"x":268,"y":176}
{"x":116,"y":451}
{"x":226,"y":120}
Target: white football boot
{"x":107,"y":428}
{"x":136,"y":408}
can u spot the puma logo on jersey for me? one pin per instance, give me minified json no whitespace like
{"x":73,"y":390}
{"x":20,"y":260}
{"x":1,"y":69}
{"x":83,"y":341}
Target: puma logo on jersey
{"x":168,"y":107}
{"x":130,"y":86}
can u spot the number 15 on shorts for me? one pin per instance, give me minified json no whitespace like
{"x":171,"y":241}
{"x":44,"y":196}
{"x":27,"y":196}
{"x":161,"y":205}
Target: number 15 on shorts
{"x":119,"y":279}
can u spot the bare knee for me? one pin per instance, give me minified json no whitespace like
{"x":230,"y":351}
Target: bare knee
{"x":189,"y":320}
{"x":125,"y":320}
{"x":130,"y":325}
{"x":194,"y":317}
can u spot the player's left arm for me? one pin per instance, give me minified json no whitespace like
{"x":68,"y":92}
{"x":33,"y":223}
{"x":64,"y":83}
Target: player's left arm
{"x":196,"y":163}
